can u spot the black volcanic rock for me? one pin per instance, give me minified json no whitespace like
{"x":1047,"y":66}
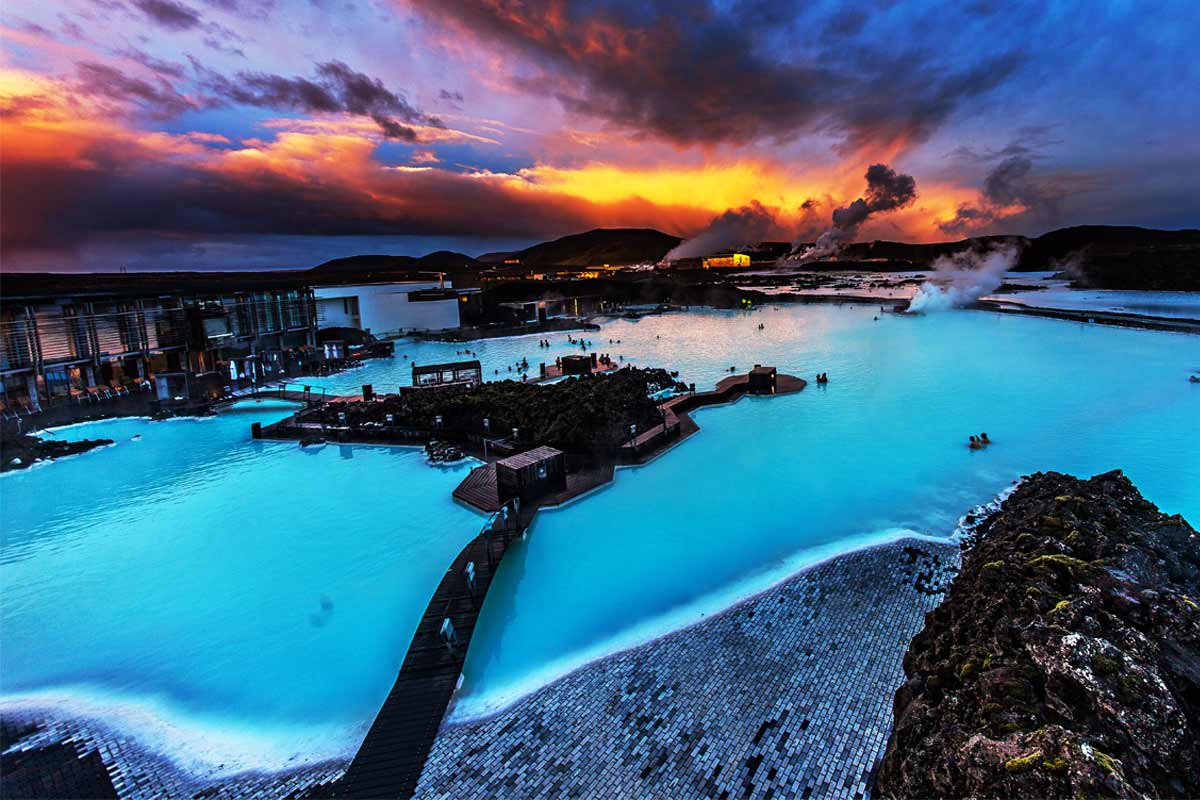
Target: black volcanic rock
{"x":22,"y":451}
{"x":1065,"y":660}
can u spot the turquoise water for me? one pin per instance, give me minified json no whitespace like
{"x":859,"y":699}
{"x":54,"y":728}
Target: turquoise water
{"x":770,"y":483}
{"x":241,"y":603}
{"x":244,"y":603}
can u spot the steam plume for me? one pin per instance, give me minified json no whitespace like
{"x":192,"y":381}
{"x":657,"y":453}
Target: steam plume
{"x":748,"y":225}
{"x":887,"y":190}
{"x":963,"y":278}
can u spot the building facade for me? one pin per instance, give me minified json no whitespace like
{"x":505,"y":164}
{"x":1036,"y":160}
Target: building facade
{"x":727,"y":261}
{"x":71,"y":347}
{"x":390,"y":309}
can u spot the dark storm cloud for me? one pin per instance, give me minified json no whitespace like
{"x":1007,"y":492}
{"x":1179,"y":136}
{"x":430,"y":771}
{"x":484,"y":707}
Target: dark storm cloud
{"x":451,"y":98}
{"x":250,"y":9}
{"x":1030,"y":141}
{"x":335,"y":88}
{"x":53,"y":205}
{"x":158,"y":99}
{"x":168,"y":14}
{"x":708,"y":72}
{"x":167,"y":69}
{"x":1010,"y":185}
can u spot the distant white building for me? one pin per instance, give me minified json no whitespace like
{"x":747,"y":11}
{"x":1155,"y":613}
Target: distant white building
{"x":386,"y":309}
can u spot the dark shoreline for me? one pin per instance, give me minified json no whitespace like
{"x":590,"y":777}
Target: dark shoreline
{"x":23,"y":451}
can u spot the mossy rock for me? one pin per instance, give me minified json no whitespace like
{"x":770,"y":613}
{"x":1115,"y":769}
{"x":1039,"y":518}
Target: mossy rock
{"x":1105,"y":762}
{"x":1055,"y":765}
{"x":1015,"y":766}
{"x":1103,"y":665}
{"x":1071,"y":565}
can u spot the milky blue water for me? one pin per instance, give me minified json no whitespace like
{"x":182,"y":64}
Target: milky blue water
{"x":241,"y":603}
{"x":249,"y":603}
{"x":770,"y":483}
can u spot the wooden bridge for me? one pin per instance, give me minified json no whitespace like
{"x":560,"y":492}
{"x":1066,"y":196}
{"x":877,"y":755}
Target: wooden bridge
{"x":308,"y":394}
{"x":390,"y":760}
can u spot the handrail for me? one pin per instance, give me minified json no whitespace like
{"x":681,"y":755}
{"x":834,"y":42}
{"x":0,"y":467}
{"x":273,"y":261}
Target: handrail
{"x":282,"y":386}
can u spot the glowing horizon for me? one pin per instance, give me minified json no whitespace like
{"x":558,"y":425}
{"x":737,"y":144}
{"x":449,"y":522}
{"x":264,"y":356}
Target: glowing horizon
{"x":179,"y":133}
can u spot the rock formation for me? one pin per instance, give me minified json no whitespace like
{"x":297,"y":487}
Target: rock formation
{"x":1065,"y":660}
{"x":22,"y":451}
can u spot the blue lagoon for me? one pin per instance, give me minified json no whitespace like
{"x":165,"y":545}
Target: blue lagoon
{"x":247,"y":604}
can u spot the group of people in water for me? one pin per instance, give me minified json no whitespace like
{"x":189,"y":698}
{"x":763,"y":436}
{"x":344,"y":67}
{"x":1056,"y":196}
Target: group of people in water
{"x":822,"y":377}
{"x":521,"y":366}
{"x":979,"y":442}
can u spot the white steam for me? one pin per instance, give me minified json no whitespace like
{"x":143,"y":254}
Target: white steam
{"x":963,"y":278}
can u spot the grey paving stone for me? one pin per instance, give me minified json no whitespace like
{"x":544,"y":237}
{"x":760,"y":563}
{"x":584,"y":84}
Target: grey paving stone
{"x":788,"y":694}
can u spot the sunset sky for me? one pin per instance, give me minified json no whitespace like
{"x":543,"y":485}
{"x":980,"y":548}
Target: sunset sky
{"x":253,"y":133}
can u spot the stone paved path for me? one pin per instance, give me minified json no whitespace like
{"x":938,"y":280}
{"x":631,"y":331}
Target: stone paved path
{"x":786,"y":695}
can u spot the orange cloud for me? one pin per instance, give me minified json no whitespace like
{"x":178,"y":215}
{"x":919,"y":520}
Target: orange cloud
{"x":73,"y":170}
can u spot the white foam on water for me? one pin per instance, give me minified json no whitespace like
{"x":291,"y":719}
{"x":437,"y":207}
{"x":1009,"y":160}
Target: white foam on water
{"x":472,"y":708}
{"x":205,"y":747}
{"x":45,"y":462}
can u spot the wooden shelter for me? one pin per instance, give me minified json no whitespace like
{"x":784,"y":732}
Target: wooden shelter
{"x":762,"y":380}
{"x":531,"y":474}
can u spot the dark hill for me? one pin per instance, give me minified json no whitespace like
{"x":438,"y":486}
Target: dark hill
{"x":497,"y":256}
{"x":367,"y":263}
{"x":447,"y":261}
{"x":1116,"y":257}
{"x":1101,"y":256}
{"x":601,"y":246}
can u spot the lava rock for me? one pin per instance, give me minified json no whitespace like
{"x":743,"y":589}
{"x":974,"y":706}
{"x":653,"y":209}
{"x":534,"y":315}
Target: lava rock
{"x":1065,"y":659}
{"x":442,"y":452}
{"x":22,"y":450}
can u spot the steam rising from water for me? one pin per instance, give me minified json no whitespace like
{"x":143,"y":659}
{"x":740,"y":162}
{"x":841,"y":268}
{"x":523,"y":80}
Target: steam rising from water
{"x":963,"y":278}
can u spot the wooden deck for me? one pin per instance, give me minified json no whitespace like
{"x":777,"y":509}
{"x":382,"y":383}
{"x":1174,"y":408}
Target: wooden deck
{"x":391,"y":757}
{"x":390,"y":760}
{"x":479,"y":489}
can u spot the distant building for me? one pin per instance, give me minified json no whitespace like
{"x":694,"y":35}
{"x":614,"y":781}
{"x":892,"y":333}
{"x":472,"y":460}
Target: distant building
{"x":727,"y":261}
{"x":388,"y":309}
{"x":64,"y":345}
{"x":456,"y":373}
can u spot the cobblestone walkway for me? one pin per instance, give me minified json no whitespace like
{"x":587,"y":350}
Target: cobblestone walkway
{"x":786,"y":695}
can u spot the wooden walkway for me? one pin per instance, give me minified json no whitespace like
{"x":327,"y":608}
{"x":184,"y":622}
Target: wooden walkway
{"x":291,"y":391}
{"x":390,"y":760}
{"x":392,"y":755}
